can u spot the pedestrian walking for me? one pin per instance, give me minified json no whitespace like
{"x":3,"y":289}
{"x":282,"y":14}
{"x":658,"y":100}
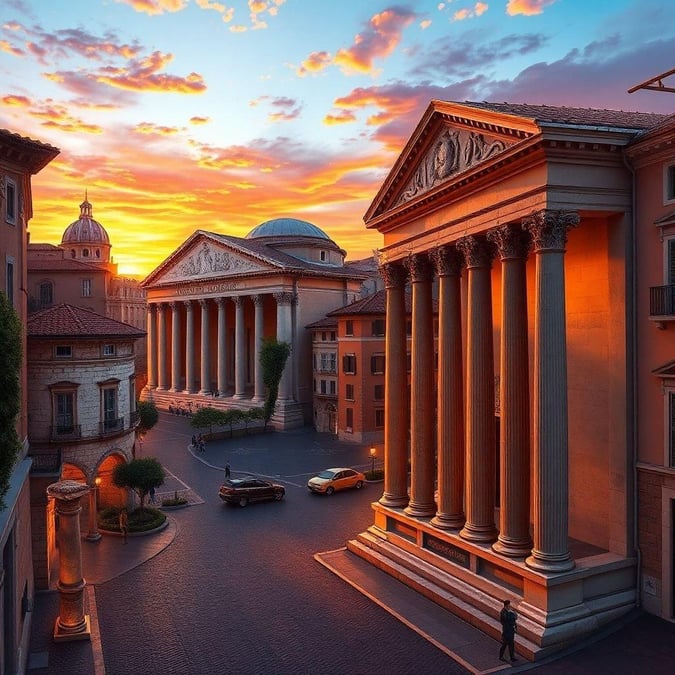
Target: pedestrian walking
{"x":152,"y":495}
{"x":202,"y":445}
{"x":227,"y":470}
{"x":124,"y":524}
{"x":508,"y":617}
{"x":194,"y":442}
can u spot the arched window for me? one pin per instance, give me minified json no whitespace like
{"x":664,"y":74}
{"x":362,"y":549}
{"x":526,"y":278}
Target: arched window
{"x":46,"y":294}
{"x":85,"y":253}
{"x":72,"y":252}
{"x":98,"y":252}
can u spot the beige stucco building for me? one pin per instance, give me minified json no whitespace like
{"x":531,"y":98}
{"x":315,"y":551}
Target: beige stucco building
{"x":213,"y":301}
{"x":522,"y":445}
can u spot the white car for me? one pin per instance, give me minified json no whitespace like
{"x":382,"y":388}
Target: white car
{"x":330,"y":480}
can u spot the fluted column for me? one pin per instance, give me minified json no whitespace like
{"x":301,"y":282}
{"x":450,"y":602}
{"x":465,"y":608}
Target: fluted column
{"x":152,"y":346}
{"x":175,"y":346}
{"x":285,"y":334}
{"x":258,"y":383}
{"x":162,"y":379}
{"x":239,"y":349}
{"x":514,"y":396}
{"x":480,"y":440}
{"x":422,"y":409}
{"x":222,"y":346}
{"x":72,"y":623}
{"x":450,"y":401}
{"x":206,"y":347}
{"x":550,"y":552}
{"x":189,"y":348}
{"x":396,"y":409}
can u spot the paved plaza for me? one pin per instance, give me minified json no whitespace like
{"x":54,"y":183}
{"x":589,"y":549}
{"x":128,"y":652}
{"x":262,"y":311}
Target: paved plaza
{"x":230,"y":590}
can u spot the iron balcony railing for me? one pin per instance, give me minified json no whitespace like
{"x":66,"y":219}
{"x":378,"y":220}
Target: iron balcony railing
{"x":134,"y":419}
{"x":662,"y":300}
{"x":111,"y":426}
{"x":65,"y":432}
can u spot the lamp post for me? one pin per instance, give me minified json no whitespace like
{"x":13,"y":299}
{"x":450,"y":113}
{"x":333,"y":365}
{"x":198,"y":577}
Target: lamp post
{"x":93,"y":534}
{"x":373,"y":452}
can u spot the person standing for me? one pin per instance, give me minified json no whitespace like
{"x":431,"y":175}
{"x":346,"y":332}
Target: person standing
{"x":227,"y":470}
{"x":124,"y":524}
{"x":152,"y":495}
{"x":508,"y":617}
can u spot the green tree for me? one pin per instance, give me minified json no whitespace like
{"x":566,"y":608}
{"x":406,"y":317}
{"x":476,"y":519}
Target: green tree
{"x":148,"y":416}
{"x":10,"y":393}
{"x":207,"y":417}
{"x":252,"y":415}
{"x":231,"y":417}
{"x":273,"y":357}
{"x":139,"y":475}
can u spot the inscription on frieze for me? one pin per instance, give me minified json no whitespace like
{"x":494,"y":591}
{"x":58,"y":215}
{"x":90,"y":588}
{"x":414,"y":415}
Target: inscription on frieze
{"x":446,"y":550}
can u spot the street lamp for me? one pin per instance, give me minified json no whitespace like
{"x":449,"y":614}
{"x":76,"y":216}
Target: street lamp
{"x":93,"y":534}
{"x":373,"y":452}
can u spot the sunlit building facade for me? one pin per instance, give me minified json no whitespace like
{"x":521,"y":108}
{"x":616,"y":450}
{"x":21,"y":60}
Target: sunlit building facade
{"x":214,"y":300}
{"x":20,"y":158}
{"x":522,"y":441}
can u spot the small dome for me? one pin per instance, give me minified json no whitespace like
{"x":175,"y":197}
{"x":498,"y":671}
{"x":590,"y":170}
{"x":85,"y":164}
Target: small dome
{"x":85,"y":230}
{"x":286,"y":227}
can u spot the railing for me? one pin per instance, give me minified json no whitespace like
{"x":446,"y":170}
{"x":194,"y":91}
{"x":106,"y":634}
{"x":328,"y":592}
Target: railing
{"x":332,"y":370}
{"x":134,"y":419}
{"x":65,"y":432}
{"x":111,"y":426}
{"x":662,"y":300}
{"x":45,"y":461}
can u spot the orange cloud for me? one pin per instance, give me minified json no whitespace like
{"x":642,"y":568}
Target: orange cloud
{"x":10,"y":49}
{"x":527,"y":7}
{"x":314,"y":63}
{"x":199,"y":120}
{"x":154,"y":7}
{"x":16,"y":101}
{"x":341,"y":117}
{"x":469,"y":13}
{"x":156,"y":129}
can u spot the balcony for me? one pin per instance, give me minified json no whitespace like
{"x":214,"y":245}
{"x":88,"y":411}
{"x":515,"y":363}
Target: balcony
{"x":111,"y":426}
{"x":65,"y":432}
{"x":134,"y":419}
{"x":662,"y":303}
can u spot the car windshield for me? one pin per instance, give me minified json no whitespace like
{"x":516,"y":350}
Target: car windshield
{"x":326,"y":474}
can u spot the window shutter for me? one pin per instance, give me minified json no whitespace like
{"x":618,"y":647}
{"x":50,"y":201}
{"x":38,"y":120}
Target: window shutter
{"x":671,"y":262}
{"x":373,"y":365}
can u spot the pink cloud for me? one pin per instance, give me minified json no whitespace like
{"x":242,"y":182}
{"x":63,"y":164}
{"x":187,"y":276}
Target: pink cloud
{"x":314,"y":63}
{"x":153,"y":7}
{"x":527,"y":7}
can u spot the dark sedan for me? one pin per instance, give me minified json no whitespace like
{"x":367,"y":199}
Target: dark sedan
{"x":244,"y":490}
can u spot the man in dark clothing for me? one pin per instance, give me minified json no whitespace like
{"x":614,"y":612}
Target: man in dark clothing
{"x":508,"y":619}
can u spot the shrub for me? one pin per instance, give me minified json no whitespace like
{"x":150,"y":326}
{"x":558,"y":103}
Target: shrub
{"x":139,"y":520}
{"x":378,"y":474}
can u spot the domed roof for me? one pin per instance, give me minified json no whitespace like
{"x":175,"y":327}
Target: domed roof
{"x":85,"y":230}
{"x":286,"y":227}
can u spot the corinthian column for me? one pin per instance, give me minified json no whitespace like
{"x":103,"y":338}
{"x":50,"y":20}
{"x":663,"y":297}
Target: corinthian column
{"x":549,"y":234}
{"x":189,"y":348}
{"x":514,"y":396}
{"x":239,"y":349}
{"x":450,"y":403}
{"x":422,"y":448}
{"x":396,"y":410}
{"x":480,"y":395}
{"x":175,"y":346}
{"x":222,"y":347}
{"x":162,"y":383}
{"x":285,"y":334}
{"x":152,"y":346}
{"x":206,"y":347}
{"x":258,"y":383}
{"x":72,"y":623}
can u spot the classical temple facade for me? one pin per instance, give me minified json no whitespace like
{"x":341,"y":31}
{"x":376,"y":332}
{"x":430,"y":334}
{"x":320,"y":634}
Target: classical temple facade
{"x":213,"y":301}
{"x":521,"y":482}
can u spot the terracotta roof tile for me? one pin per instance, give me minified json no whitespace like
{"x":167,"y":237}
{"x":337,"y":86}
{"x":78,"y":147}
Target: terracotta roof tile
{"x":325,"y":323}
{"x":58,"y":265}
{"x":75,"y":322}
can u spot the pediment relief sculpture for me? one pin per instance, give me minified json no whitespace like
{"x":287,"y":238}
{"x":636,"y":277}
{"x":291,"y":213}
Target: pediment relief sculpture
{"x":207,"y":260}
{"x":453,"y":152}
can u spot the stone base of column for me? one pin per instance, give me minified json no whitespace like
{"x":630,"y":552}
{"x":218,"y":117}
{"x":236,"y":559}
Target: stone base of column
{"x":444,"y":521}
{"x":550,"y":562}
{"x":257,"y":399}
{"x":420,"y":509}
{"x":204,"y":392}
{"x":393,"y":501}
{"x":71,"y":633}
{"x":513,"y":548}
{"x":93,"y":536}
{"x":239,"y":397}
{"x":478,"y":533}
{"x":174,"y":390}
{"x":161,"y":388}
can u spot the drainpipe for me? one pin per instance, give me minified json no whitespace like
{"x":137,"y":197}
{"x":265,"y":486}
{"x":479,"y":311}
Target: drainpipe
{"x":633,"y":378}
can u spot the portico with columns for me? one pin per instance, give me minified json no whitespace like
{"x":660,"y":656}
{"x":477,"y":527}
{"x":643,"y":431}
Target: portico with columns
{"x":515,"y":435}
{"x":217,"y":297}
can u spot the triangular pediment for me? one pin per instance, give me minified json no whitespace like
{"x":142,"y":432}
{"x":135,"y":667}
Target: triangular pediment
{"x":204,"y":258}
{"x":450,"y":141}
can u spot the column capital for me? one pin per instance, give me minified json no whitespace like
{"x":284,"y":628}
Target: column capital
{"x":258,"y":299}
{"x":549,"y":228}
{"x":161,"y":306}
{"x":174,"y":304}
{"x":447,"y":261}
{"x":221,"y":301}
{"x":203,"y":302}
{"x":284,"y":298}
{"x":511,"y":242}
{"x":419,"y":267}
{"x":152,"y":307}
{"x":238,"y":300}
{"x":394,"y":274}
{"x":477,"y":252}
{"x":188,"y":305}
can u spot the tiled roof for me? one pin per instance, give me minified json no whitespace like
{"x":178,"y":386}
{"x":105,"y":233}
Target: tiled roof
{"x":75,"y":322}
{"x":574,"y":116}
{"x":34,"y":154}
{"x":59,"y":265}
{"x":43,"y":247}
{"x":325,"y":323}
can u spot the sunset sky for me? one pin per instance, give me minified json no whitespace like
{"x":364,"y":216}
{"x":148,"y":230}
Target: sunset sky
{"x":176,"y":115}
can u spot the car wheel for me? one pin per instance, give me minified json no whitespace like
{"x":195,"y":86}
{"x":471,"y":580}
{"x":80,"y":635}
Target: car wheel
{"x":243,"y":501}
{"x":279,"y":495}
{"x":359,"y":484}
{"x":330,"y":490}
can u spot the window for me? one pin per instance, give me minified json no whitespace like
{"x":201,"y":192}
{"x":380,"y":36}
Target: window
{"x":349,"y":364}
{"x":9,"y":280}
{"x":670,"y":262}
{"x":378,"y":327}
{"x":63,"y":352}
{"x":64,"y":412}
{"x":408,"y":358}
{"x":349,"y":328}
{"x":350,"y":419}
{"x":86,"y":288}
{"x":85,"y":253}
{"x":377,"y":364}
{"x":332,"y":336}
{"x":46,"y":294}
{"x":109,"y":402}
{"x":349,"y":392}
{"x":323,"y":256}
{"x":669,"y":183}
{"x":379,"y":392}
{"x":323,"y":336}
{"x":323,"y":387}
{"x":328,"y":362}
{"x":671,"y":430}
{"x":379,"y":418}
{"x":408,"y":327}
{"x":108,"y":350}
{"x":11,"y":194}
{"x":333,"y":387}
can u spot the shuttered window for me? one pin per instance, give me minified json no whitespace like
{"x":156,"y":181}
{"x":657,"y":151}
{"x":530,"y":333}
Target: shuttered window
{"x":671,"y":263}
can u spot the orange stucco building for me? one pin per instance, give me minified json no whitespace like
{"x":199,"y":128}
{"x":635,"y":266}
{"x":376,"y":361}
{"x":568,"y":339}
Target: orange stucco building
{"x":522,"y":442}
